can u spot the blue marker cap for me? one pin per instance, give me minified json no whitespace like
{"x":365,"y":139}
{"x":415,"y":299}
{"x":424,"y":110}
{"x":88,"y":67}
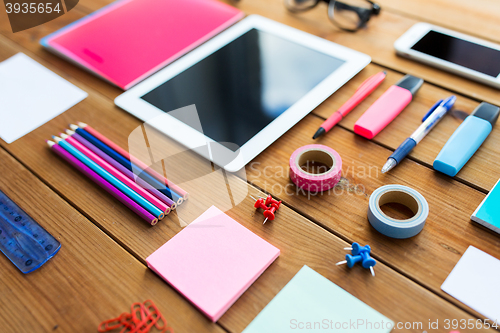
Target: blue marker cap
{"x":467,"y":139}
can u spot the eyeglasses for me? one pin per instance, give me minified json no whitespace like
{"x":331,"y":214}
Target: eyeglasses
{"x":348,"y":15}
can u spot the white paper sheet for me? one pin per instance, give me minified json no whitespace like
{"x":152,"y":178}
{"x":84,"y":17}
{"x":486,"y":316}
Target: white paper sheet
{"x":31,"y":95}
{"x":475,"y":281}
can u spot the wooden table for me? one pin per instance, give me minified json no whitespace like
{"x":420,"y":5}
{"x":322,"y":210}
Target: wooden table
{"x":101,"y":267}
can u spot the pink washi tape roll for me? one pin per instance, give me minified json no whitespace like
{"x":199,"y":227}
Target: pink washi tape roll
{"x":313,"y":155}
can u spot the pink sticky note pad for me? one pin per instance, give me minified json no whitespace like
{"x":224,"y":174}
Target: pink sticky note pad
{"x":129,"y":40}
{"x":213,"y":261}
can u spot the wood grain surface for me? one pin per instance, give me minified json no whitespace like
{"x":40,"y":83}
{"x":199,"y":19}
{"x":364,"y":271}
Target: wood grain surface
{"x":101,"y":268}
{"x":470,"y":17}
{"x":92,"y":278}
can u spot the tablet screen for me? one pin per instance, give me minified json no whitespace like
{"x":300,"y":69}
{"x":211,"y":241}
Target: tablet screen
{"x":242,"y":87}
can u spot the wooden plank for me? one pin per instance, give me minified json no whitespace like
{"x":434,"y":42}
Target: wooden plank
{"x":428,"y":257}
{"x":259,"y":171}
{"x":377,"y":41}
{"x":478,"y":18}
{"x":300,"y":241}
{"x":89,"y":280}
{"x":480,"y":171}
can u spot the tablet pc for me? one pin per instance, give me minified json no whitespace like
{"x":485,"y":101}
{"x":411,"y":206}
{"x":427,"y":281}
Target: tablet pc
{"x":248,"y":85}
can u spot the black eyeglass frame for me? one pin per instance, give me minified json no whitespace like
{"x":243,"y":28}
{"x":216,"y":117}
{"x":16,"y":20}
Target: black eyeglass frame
{"x":364,"y":14}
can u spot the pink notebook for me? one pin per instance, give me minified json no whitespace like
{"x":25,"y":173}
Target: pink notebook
{"x":129,"y":40}
{"x":213,"y":261}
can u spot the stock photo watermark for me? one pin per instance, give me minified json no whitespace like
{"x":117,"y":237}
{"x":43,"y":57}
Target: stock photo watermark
{"x":344,"y":187}
{"x":178,"y":164}
{"x":25,"y":14}
{"x":366,"y":325}
{"x":195,"y":172}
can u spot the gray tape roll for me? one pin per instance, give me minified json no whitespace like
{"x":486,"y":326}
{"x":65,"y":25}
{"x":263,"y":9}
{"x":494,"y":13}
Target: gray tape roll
{"x":403,"y":195}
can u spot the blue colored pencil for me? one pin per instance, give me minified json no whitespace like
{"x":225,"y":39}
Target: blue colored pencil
{"x":128,"y":164}
{"x":110,"y":178}
{"x":122,"y":169}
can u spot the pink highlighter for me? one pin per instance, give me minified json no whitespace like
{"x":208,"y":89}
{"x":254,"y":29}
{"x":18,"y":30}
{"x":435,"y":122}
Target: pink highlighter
{"x":387,"y":107}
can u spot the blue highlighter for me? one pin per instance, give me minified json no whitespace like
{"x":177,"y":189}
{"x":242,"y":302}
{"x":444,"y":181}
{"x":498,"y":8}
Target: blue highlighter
{"x":466,"y":139}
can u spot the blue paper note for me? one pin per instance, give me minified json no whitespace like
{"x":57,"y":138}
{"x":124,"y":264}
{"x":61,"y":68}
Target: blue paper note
{"x":312,"y":303}
{"x":488,"y":212}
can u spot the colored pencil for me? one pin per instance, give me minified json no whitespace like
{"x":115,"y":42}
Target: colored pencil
{"x":123,"y":170}
{"x":126,"y":163}
{"x":112,"y":170}
{"x":141,"y":212}
{"x":134,"y":159}
{"x":153,"y":182}
{"x":110,"y":178}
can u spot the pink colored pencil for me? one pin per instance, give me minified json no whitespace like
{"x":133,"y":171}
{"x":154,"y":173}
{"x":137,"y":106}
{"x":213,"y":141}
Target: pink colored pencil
{"x":112,"y":170}
{"x":144,"y":214}
{"x":134,"y":159}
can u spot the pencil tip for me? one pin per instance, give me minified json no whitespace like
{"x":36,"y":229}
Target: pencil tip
{"x":384,"y":72}
{"x":64,"y":136}
{"x":69,"y":132}
{"x":50,"y":143}
{"x":73,"y":127}
{"x":81,"y":124}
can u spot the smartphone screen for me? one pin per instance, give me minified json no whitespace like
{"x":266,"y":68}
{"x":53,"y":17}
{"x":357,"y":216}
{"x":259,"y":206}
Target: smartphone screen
{"x":461,"y":52}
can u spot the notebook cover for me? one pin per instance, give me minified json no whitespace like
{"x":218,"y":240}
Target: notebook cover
{"x":213,"y":261}
{"x":312,"y":303}
{"x":129,"y":40}
{"x":488,"y":212}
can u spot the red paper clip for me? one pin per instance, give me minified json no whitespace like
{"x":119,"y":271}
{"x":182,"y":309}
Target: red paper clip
{"x":142,"y":317}
{"x":111,"y":324}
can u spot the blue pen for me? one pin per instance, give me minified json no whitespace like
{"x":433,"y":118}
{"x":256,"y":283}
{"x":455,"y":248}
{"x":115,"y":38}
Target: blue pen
{"x":435,"y":114}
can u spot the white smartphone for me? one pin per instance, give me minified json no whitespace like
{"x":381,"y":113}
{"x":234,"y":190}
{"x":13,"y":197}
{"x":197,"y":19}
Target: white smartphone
{"x":464,"y":55}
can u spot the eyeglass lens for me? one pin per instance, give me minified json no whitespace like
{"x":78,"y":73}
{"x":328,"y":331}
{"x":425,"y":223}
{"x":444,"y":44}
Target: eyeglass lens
{"x":349,"y":14}
{"x":300,"y":5}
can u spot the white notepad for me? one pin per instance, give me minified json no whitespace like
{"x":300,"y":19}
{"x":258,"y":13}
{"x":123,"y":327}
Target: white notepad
{"x":475,"y":282}
{"x":31,"y":95}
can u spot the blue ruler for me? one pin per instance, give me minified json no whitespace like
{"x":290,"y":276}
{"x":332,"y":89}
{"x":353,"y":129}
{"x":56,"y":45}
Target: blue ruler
{"x":22,"y":240}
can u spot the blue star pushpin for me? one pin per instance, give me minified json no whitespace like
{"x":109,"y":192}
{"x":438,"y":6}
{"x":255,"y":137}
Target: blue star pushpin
{"x":357,"y":249}
{"x":359,"y":254}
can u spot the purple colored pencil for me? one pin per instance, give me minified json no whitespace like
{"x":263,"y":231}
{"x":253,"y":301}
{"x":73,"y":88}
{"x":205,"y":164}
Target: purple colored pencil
{"x":144,"y":214}
{"x":123,"y":170}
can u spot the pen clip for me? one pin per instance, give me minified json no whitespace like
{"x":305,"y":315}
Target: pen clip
{"x":434,"y":107}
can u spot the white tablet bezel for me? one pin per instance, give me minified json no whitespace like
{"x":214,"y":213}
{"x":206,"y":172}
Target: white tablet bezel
{"x":404,"y":44}
{"x":131,"y":100}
